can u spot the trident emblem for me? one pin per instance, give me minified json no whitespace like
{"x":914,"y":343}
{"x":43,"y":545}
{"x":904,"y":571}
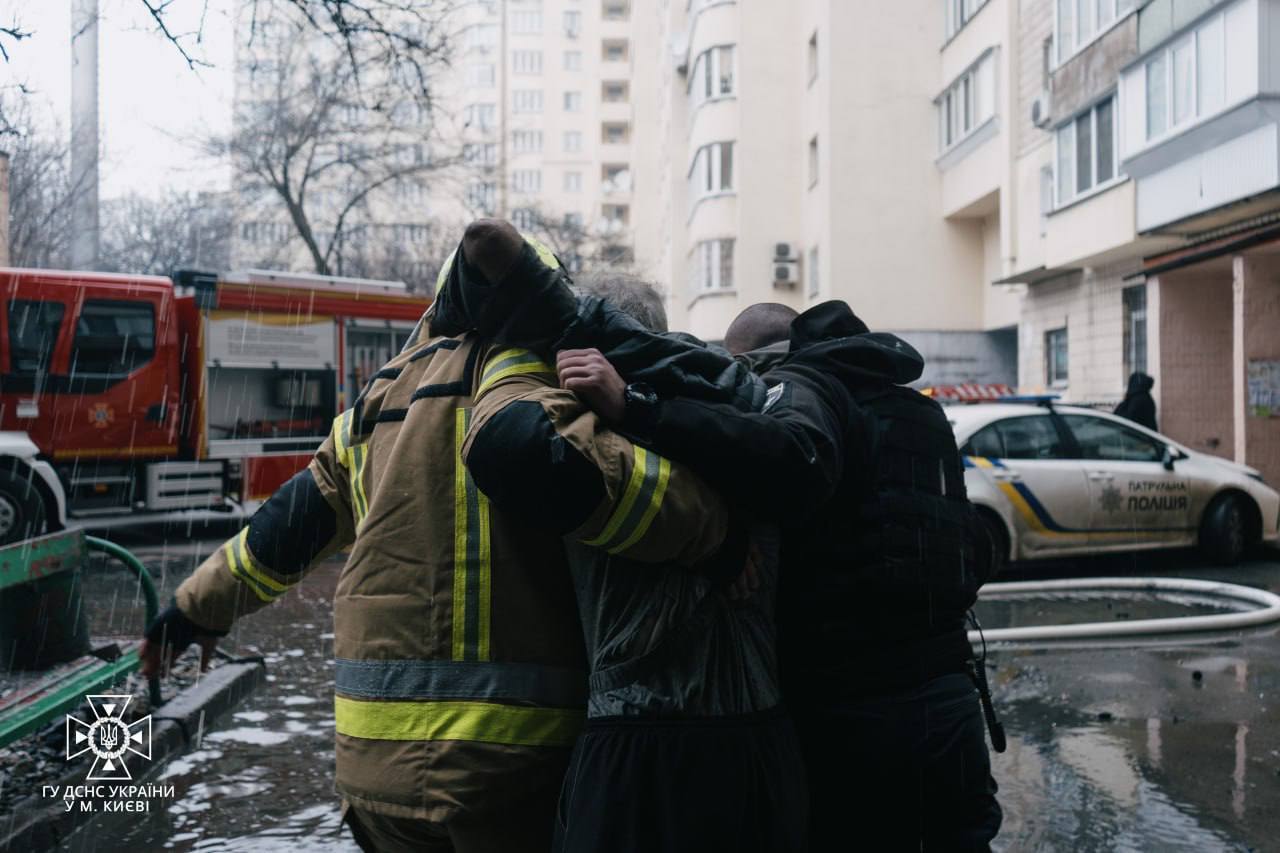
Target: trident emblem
{"x":108,"y":737}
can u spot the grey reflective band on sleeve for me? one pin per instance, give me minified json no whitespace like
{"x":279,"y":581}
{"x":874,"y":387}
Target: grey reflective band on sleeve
{"x":442,"y":679}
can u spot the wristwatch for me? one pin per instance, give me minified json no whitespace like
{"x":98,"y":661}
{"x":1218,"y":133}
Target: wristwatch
{"x":639,"y":408}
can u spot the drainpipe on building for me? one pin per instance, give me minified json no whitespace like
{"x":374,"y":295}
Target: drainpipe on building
{"x":504,"y":103}
{"x":84,"y":134}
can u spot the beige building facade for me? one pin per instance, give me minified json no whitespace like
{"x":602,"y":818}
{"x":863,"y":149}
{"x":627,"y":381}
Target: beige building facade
{"x":802,"y":152}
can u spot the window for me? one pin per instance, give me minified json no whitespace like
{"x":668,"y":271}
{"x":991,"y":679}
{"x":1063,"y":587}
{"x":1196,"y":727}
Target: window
{"x":959,"y":12}
{"x":813,"y":162}
{"x":33,"y":331}
{"x":711,"y":266}
{"x":572,"y":24}
{"x":1099,"y":438}
{"x":615,"y":10}
{"x":481,"y":75}
{"x":573,"y":221}
{"x":712,"y":75}
{"x":1033,"y":437}
{"x":813,"y":271}
{"x":526,"y":23}
{"x":968,"y":103}
{"x":573,"y":60}
{"x":573,"y":182}
{"x":113,"y":338}
{"x":482,"y":116}
{"x":482,"y":37}
{"x":615,"y":133}
{"x":1082,"y":21}
{"x":1087,"y":151}
{"x":526,"y":180}
{"x":615,"y":50}
{"x":526,"y":62}
{"x":524,"y":218}
{"x":813,"y":57}
{"x":615,"y":92}
{"x":1187,"y":79}
{"x":616,"y":214}
{"x":481,"y":196}
{"x":615,"y":177}
{"x":527,"y":101}
{"x":572,"y":140}
{"x":526,"y":141}
{"x":712,"y":170}
{"x":480,"y":153}
{"x":572,"y":102}
{"x":1134,"y":300}
{"x":1055,"y":357}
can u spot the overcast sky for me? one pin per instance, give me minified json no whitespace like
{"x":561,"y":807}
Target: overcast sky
{"x":152,"y":107}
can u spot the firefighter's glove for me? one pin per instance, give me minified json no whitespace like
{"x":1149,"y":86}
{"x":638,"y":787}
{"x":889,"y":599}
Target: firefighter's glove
{"x":169,"y":635}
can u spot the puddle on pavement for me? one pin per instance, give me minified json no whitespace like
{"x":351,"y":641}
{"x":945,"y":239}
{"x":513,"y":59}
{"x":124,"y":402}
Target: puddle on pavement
{"x":1133,"y":748}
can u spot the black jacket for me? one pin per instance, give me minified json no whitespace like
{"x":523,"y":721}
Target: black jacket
{"x":805,"y":461}
{"x":1138,"y":405}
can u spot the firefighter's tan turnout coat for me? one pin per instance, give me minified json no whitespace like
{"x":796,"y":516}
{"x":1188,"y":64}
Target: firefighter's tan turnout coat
{"x":460,"y":673}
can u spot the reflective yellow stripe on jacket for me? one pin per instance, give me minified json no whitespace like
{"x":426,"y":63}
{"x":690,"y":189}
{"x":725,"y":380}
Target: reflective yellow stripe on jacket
{"x":352,"y":457}
{"x":640,"y":502}
{"x":487,"y":722}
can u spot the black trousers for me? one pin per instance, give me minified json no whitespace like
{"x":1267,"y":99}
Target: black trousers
{"x":733,"y":784}
{"x":908,"y":771}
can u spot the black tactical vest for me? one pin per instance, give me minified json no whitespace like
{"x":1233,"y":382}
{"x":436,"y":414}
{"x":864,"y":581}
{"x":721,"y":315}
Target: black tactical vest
{"x":916,"y":533}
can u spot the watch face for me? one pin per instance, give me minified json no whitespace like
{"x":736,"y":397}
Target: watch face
{"x":642,"y":393}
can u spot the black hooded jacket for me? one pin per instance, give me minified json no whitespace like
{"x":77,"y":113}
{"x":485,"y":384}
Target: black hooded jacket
{"x":849,"y":625}
{"x":1138,"y":405}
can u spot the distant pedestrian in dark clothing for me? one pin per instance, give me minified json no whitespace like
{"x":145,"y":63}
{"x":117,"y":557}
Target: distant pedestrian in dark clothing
{"x":1138,"y":405}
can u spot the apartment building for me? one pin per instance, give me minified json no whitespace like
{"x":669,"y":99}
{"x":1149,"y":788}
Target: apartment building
{"x":799,"y":152}
{"x":536,"y":107}
{"x":1153,"y":140}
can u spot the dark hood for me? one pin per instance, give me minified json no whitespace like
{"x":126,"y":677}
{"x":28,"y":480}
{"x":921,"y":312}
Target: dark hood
{"x":831,"y":338}
{"x":1140,"y":383}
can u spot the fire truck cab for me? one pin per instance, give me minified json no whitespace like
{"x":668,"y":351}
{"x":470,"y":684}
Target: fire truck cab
{"x":142,"y":395}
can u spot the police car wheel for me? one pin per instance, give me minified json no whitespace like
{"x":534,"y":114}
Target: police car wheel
{"x":1223,"y":531}
{"x":21,"y":508}
{"x":993,"y":528}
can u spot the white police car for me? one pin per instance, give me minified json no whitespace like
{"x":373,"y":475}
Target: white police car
{"x":1054,"y":480}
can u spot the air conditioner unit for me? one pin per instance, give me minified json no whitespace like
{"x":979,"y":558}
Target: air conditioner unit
{"x":784,"y":274}
{"x":784,"y":252}
{"x":1041,"y":110}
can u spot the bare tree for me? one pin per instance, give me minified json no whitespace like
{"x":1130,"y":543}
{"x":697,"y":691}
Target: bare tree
{"x":327,"y":150}
{"x":41,"y":190}
{"x":578,"y":245}
{"x":410,"y":252}
{"x":159,"y":235}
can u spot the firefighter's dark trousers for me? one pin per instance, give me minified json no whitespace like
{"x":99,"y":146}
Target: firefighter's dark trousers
{"x":707,"y":785}
{"x":907,"y":771}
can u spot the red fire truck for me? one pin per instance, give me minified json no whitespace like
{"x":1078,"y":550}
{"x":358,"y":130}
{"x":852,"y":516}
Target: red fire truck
{"x":123,"y":394}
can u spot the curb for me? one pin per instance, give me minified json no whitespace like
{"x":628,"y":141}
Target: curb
{"x":40,"y":823}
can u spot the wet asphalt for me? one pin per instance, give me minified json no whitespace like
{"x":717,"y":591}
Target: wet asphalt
{"x":1163,"y":745}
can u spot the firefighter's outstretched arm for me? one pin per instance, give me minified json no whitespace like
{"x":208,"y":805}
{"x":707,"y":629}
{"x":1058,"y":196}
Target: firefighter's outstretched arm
{"x":536,"y":449}
{"x":306,"y":520}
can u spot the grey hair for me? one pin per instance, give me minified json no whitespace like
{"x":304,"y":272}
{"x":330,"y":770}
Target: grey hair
{"x":639,"y":299}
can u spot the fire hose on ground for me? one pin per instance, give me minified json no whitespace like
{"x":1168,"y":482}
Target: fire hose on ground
{"x":1267,"y":613}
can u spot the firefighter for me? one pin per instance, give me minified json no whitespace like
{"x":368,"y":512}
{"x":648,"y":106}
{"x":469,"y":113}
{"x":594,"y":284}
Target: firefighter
{"x":686,"y":746}
{"x":460,"y":673}
{"x":883,"y":557}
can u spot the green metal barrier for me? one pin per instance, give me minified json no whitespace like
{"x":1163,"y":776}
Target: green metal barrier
{"x":58,"y":558}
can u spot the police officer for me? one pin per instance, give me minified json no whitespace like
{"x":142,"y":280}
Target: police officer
{"x":460,"y":673}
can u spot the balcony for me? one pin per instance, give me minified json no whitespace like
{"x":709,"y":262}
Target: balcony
{"x":1199,"y":128}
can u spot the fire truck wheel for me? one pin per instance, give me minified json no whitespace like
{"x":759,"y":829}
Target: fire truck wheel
{"x":22,"y":511}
